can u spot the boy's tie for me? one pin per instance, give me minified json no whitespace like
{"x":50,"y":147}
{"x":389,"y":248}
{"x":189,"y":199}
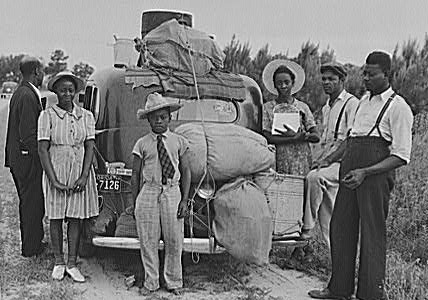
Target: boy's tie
{"x":166,"y":164}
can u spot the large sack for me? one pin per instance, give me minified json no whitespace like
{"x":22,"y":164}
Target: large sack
{"x":228,"y":150}
{"x":126,"y":225}
{"x":167,"y":45}
{"x":243,"y":223}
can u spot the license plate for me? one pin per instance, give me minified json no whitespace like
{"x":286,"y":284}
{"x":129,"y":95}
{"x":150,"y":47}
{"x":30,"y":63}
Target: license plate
{"x":108,"y":183}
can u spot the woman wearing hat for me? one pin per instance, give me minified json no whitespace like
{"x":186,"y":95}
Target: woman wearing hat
{"x":284,"y":78}
{"x":66,"y":134}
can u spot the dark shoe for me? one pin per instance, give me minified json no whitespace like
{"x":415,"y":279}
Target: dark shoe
{"x":325,"y":294}
{"x":177,"y":291}
{"x":143,"y":291}
{"x":39,"y":251}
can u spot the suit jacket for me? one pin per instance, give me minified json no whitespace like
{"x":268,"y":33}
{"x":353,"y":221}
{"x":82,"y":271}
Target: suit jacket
{"x":21,"y":137}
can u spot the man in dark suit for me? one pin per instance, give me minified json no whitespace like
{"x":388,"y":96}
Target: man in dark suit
{"x":22,"y":157}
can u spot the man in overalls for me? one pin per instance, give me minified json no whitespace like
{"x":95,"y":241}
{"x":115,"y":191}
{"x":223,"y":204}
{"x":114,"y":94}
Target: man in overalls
{"x":380,"y":141}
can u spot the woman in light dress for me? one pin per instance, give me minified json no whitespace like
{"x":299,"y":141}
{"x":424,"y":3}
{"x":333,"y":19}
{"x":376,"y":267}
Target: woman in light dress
{"x":66,"y":134}
{"x":284,"y":78}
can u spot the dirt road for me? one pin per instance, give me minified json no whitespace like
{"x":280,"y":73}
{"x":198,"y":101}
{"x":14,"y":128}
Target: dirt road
{"x":219,"y":277}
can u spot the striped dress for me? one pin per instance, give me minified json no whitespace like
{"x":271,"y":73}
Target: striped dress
{"x":292,"y":158}
{"x":67,"y":133}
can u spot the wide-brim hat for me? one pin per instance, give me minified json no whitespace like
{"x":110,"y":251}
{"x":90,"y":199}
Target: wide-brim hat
{"x":271,"y":67}
{"x":79,"y":83}
{"x":154,"y":102}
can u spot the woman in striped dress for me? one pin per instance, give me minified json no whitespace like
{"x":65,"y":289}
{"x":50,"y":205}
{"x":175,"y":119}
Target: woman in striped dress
{"x":66,"y":134}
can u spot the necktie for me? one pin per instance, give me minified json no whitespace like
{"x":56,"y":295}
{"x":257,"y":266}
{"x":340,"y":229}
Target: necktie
{"x":166,"y":164}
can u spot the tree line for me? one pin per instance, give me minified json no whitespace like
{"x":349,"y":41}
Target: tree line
{"x":409,"y":75}
{"x":9,"y":66}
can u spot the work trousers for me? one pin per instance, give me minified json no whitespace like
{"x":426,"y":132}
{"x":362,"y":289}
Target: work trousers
{"x":321,"y":190}
{"x":156,"y":212}
{"x":28,"y":181}
{"x":367,"y":206}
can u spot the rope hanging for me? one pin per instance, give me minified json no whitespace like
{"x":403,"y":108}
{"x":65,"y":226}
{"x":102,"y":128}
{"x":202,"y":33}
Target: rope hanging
{"x":195,"y":256}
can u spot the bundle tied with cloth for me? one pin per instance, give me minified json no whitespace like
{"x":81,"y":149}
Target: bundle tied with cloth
{"x":169,"y":46}
{"x":229,"y":154}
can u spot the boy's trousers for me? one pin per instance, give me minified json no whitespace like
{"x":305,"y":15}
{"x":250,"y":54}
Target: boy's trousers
{"x":155,"y":212}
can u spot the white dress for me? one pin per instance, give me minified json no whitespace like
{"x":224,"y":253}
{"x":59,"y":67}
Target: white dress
{"x":67,"y":133}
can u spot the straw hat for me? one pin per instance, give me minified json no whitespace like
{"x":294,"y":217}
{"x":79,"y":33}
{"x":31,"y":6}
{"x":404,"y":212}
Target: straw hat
{"x":292,"y":66}
{"x":79,"y":83}
{"x":154,"y":102}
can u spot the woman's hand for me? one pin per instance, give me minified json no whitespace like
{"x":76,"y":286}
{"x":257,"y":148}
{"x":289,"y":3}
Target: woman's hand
{"x":61,"y":187}
{"x":80,"y":183}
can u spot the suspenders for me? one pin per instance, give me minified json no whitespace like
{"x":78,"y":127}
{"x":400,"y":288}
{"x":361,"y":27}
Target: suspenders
{"x":380,"y":116}
{"x":336,"y":130}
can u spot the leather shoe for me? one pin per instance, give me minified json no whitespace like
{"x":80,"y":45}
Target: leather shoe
{"x":39,"y":251}
{"x":58,"y":272}
{"x":326,"y":294}
{"x":75,"y":274}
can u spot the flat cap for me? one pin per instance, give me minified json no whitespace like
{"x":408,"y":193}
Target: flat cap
{"x":335,"y":67}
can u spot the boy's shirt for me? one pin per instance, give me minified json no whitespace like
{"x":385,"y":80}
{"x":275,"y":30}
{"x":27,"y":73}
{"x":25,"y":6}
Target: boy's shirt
{"x":146,"y":148}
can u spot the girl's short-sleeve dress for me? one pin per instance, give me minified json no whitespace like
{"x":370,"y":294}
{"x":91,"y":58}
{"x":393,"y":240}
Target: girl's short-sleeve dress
{"x":67,"y":133}
{"x":293,"y":158}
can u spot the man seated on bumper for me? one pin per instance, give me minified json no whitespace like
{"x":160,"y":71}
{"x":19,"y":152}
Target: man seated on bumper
{"x":322,"y":182}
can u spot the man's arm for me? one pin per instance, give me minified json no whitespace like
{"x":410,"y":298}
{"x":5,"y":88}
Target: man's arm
{"x":355,"y":177}
{"x":28,"y":115}
{"x":335,"y":156}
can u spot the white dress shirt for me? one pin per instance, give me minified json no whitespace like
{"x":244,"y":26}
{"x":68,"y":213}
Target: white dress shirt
{"x":37,"y":92}
{"x":331,"y":113}
{"x":395,"y":126}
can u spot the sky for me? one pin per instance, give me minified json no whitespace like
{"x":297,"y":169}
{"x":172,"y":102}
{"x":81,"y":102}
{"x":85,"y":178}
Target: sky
{"x":85,"y":29}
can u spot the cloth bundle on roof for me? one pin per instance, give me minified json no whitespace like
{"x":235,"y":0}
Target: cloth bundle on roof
{"x":216,"y":84}
{"x":167,"y":46}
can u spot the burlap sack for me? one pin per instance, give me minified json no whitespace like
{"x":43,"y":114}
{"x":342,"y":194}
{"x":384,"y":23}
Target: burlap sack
{"x":228,"y":150}
{"x":243,"y":223}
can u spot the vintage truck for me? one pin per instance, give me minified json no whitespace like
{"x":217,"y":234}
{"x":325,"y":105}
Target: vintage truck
{"x":114,"y":95}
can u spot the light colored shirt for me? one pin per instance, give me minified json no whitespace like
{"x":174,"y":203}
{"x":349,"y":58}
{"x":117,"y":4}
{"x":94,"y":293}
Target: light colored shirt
{"x":331,"y":116}
{"x":37,"y":92}
{"x":272,"y":107}
{"x":331,"y":112}
{"x":146,"y":149}
{"x":395,"y":126}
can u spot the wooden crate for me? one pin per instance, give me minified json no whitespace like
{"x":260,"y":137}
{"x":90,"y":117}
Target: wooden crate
{"x":285,"y":195}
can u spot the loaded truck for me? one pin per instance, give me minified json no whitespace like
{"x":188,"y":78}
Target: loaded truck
{"x":114,"y":95}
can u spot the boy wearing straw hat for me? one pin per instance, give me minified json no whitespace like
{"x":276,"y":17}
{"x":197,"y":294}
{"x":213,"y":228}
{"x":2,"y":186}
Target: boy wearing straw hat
{"x":160,"y":165}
